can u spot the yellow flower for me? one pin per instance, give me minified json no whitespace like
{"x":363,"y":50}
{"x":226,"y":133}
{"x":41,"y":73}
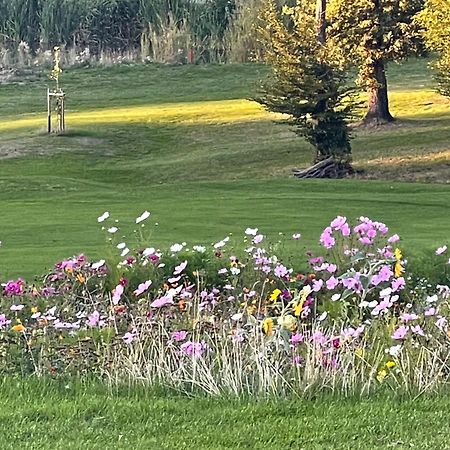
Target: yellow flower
{"x":267,"y":326}
{"x":289,"y":322}
{"x":398,"y":269}
{"x":275,"y":294}
{"x":359,"y":352}
{"x":34,"y":310}
{"x":298,"y":306}
{"x":382,"y":374}
{"x":81,"y":278}
{"x":390,"y":364}
{"x":398,"y":254}
{"x":18,"y":328}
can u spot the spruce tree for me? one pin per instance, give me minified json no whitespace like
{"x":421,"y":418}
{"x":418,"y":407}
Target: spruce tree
{"x":306,"y":81}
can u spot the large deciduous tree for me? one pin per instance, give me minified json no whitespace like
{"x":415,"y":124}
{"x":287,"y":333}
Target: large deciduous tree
{"x":307,"y":82}
{"x":435,"y":19}
{"x":371,"y":33}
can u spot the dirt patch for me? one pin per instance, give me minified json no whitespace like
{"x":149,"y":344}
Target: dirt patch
{"x":49,"y":145}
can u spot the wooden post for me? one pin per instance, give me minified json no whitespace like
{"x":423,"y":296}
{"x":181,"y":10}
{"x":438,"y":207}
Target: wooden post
{"x":49,"y":112}
{"x":321,"y":24}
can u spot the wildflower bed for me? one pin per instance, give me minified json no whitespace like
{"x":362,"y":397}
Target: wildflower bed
{"x":237,"y":317}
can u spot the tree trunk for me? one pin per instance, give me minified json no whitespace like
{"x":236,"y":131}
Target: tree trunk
{"x":378,"y":104}
{"x":321,"y":24}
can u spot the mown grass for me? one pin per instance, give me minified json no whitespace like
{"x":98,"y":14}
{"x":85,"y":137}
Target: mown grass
{"x":185,"y":143}
{"x":53,"y":415}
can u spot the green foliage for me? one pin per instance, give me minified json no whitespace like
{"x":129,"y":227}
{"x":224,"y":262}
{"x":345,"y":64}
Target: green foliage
{"x":306,"y":81}
{"x":367,"y":31}
{"x":435,"y":18}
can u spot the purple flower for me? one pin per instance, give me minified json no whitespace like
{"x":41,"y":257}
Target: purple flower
{"x":430,"y":312}
{"x":14,"y":287}
{"x":400,"y":333}
{"x":179,"y":336}
{"x":317,"y":285}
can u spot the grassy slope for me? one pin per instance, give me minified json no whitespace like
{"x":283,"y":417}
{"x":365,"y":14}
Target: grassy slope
{"x":183,"y":143}
{"x":38,"y":415}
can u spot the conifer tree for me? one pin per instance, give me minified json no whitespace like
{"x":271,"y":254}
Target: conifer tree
{"x":306,"y":81}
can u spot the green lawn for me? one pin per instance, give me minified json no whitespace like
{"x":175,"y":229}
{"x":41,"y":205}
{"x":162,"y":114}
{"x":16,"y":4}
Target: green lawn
{"x":53,"y":416}
{"x":184,"y":143}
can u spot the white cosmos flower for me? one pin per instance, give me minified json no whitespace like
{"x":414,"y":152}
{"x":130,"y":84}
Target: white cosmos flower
{"x":113,"y":230}
{"x":103,"y":217}
{"x":145,"y":215}
{"x":251,"y":231}
{"x":125,"y":251}
{"x":98,"y":264}
{"x":199,"y":248}
{"x":121,"y":246}
{"x":148,"y":251}
{"x":175,"y":248}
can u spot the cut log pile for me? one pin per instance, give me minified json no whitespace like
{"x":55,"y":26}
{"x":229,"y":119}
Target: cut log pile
{"x":328,"y":168}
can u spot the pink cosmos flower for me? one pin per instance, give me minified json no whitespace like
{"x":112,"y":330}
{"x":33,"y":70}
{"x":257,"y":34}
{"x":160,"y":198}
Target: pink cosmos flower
{"x":179,"y":269}
{"x":281,"y":271}
{"x":4,"y":321}
{"x":117,"y":293}
{"x":129,"y":337}
{"x":298,"y":360}
{"x":417,"y":330}
{"x":326,"y":239}
{"x":179,"y":336}
{"x":441,"y":250}
{"x":408,"y":317}
{"x":400,"y":333}
{"x":142,"y":288}
{"x":258,"y":239}
{"x":296,"y":338}
{"x":317,"y":285}
{"x":93,"y":319}
{"x":398,"y":284}
{"x":162,"y":301}
{"x":394,"y":238}
{"x":332,"y":282}
{"x":194,"y":349}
